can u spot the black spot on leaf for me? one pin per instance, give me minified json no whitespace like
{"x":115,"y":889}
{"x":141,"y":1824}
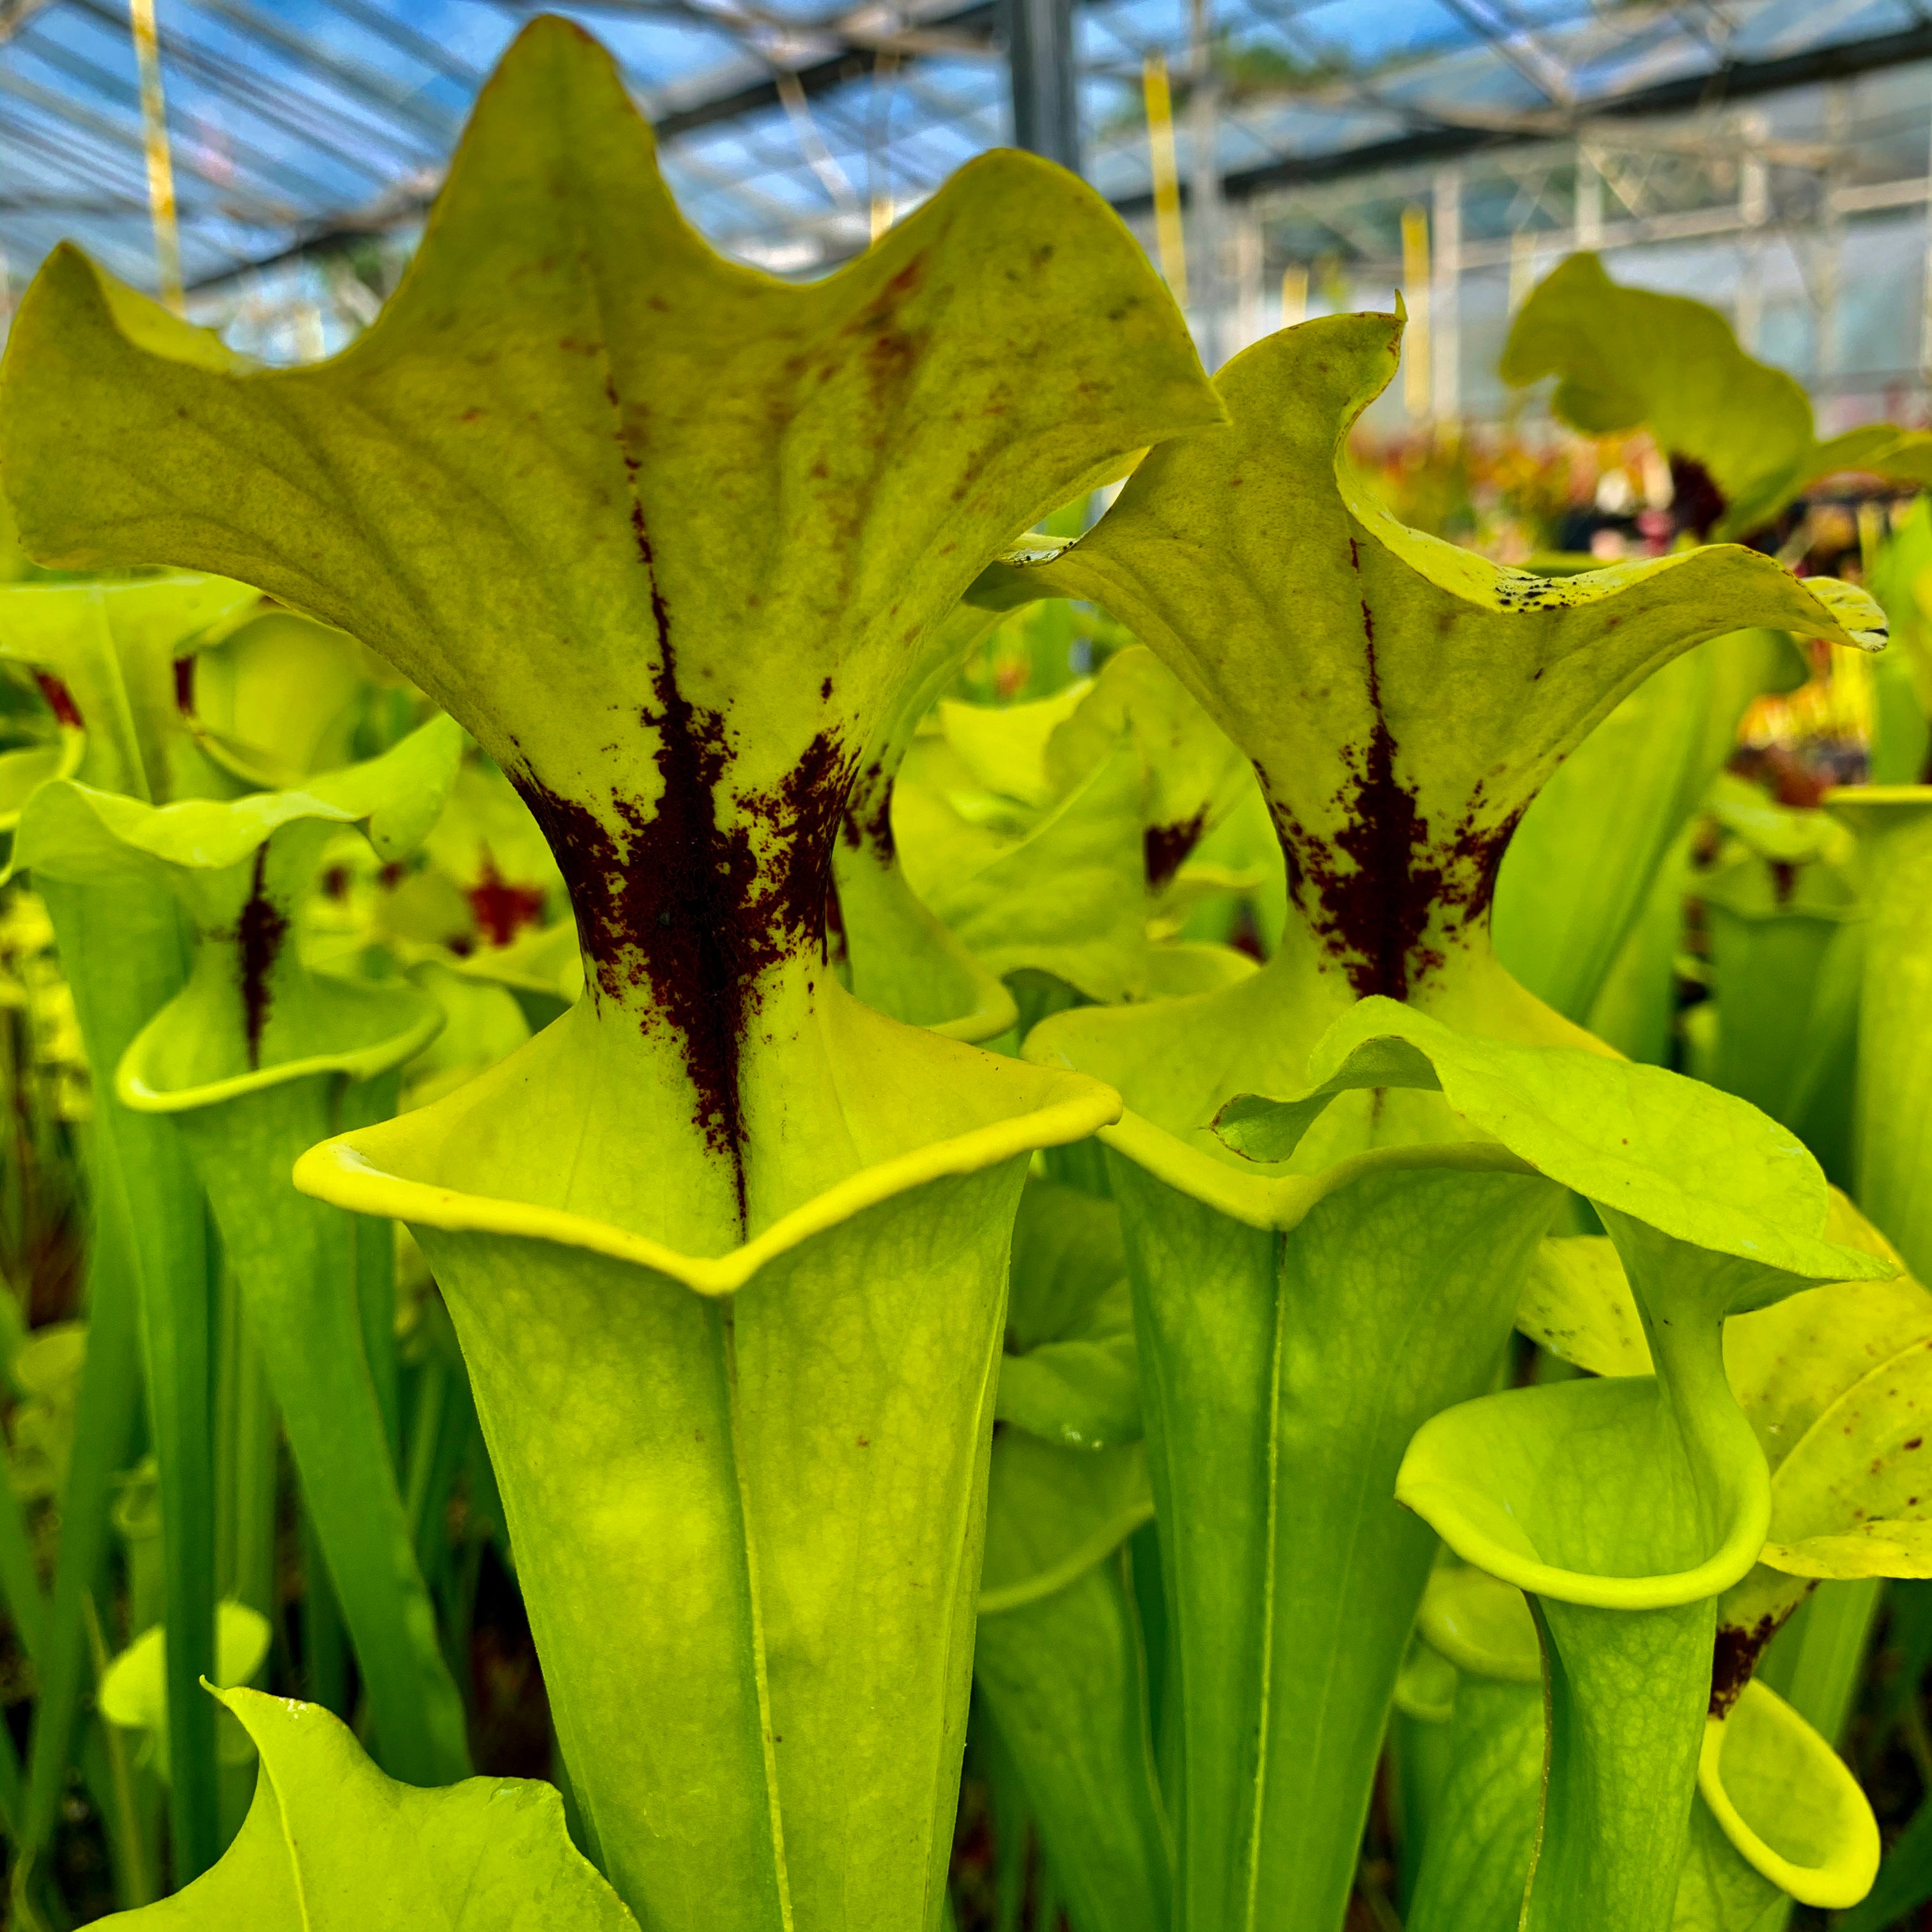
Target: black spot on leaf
{"x":1734,"y":1660}
{"x":1166,"y":847}
{"x":60,"y":699}
{"x":673,"y":900}
{"x":1375,"y":913}
{"x":259,"y":935}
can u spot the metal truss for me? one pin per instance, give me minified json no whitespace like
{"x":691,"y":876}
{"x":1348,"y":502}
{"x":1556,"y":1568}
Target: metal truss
{"x":791,"y":132}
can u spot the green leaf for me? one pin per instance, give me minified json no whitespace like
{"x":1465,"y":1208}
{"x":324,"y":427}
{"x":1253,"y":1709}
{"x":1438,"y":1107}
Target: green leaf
{"x":1053,"y":1513}
{"x":1070,"y":1375}
{"x":276,"y":699}
{"x":1778,"y":1810}
{"x":486,"y":838}
{"x":1033,"y":829}
{"x":815,"y":1488}
{"x":899,"y":958}
{"x":1635,"y":1010}
{"x":1843,"y":1410}
{"x":1195,"y":777}
{"x":1786,"y":943}
{"x":23,"y":772}
{"x":81,"y":833}
{"x":1626,"y":359}
{"x":252,"y":1012}
{"x":124,"y":952}
{"x":248,"y":1058}
{"x":1831,"y":1383}
{"x":1482,"y":1837}
{"x":1772,"y":1773}
{"x":1480,"y":1626}
{"x":542,"y":970}
{"x":1786,"y":953}
{"x":1781,"y":834}
{"x":106,"y":653}
{"x":1499,"y":1479}
{"x":1788,"y":1363}
{"x":1425,"y":1690}
{"x":332,"y":1845}
{"x":107,"y":1417}
{"x":1580,"y":866}
{"x":1894,"y":1132}
{"x":1696,"y":1165}
{"x":902,"y":961}
{"x":1587,"y":1304}
{"x":1577,"y":1305}
{"x":1057,"y":1660}
{"x":1858,"y":1462}
{"x":1180,"y":969}
{"x":1624,"y":1505}
{"x":134,"y":1693}
{"x":1068,"y":898}
{"x":1893,"y":1546}
{"x":1901,"y":580}
{"x":1717,"y":1890}
{"x":1283,"y":1375}
{"x":294,"y":1261}
{"x":482,"y":1023}
{"x":1003,"y":748}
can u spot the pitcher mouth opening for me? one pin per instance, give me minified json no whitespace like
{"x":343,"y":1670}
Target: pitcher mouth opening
{"x":414,"y":1022}
{"x":359,"y":1171}
{"x":1493,"y":1533}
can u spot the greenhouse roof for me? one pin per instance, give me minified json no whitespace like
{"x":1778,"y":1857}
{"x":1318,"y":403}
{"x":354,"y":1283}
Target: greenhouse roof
{"x":789,"y":126}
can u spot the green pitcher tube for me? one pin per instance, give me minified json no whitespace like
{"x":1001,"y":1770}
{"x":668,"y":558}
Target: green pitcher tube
{"x":104,"y":654}
{"x":1403,"y":702}
{"x":1892,"y":1157}
{"x":248,"y":1058}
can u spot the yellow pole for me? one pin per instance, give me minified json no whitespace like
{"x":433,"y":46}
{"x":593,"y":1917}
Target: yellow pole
{"x":1415,"y":353}
{"x":161,"y":165}
{"x":1871,"y":533}
{"x":1293,"y":294}
{"x":1522,"y":268}
{"x":1166,"y":176}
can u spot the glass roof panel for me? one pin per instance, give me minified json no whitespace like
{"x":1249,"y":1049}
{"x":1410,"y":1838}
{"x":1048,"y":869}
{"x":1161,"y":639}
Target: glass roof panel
{"x":791,"y":129}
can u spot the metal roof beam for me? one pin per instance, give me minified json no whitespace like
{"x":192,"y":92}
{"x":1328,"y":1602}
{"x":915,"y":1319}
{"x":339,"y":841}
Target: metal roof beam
{"x":110,"y":87}
{"x":1739,"y":81}
{"x":1423,"y":143}
{"x":243,"y":89}
{"x":89,"y":167}
{"x":1511,"y":40}
{"x":435,"y":125}
{"x":14,"y":14}
{"x":406,"y":41}
{"x":63,"y":109}
{"x":817,"y":77}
